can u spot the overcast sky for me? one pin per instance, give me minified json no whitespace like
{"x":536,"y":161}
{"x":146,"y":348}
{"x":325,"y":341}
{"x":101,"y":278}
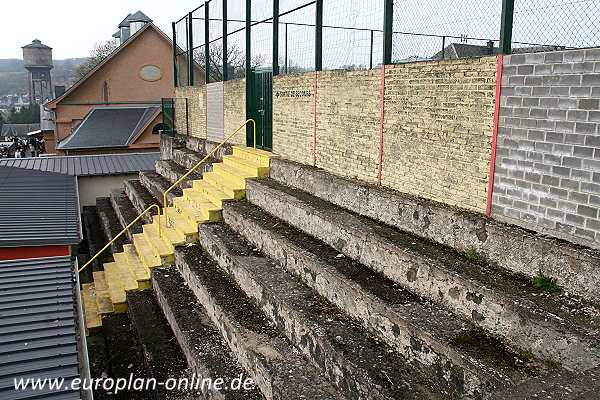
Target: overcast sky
{"x":71,"y":27}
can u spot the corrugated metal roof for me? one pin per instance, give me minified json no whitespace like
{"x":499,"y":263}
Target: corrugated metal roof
{"x":109,"y":127}
{"x":37,"y":325}
{"x":88,"y":165}
{"x":37,"y":208}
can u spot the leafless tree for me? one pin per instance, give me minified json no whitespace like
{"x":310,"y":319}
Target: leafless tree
{"x":99,"y":52}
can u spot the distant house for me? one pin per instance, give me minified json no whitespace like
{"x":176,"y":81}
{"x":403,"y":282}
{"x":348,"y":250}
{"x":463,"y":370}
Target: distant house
{"x":116,"y":106}
{"x":466,"y":50}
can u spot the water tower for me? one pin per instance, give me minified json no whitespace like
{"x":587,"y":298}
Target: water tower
{"x":37,"y":59}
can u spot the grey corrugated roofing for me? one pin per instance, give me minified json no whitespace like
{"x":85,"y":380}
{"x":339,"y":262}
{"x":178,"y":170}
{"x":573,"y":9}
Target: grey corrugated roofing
{"x":88,"y":165}
{"x":37,"y":208}
{"x":37,"y":325}
{"x":109,"y":127}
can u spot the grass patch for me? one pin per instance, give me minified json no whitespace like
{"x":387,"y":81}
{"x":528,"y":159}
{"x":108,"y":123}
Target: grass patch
{"x":471,"y":255}
{"x":546,"y":283}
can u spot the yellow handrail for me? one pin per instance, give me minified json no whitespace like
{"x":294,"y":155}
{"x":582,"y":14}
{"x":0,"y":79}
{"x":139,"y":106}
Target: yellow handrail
{"x":206,"y":157}
{"x":122,"y":232}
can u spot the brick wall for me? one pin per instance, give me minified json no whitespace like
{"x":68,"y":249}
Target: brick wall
{"x":235,"y":108}
{"x":548,"y":155}
{"x":293,"y":117}
{"x":348,"y":123}
{"x":437,"y":131}
{"x":439,"y":119}
{"x":196,"y":96}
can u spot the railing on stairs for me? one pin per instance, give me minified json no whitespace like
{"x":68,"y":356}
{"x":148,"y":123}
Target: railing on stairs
{"x":173,"y":186}
{"x":199,"y":163}
{"x":122,"y":233}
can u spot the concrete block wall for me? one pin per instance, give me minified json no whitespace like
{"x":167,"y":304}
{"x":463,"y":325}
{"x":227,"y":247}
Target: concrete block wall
{"x":547,"y":171}
{"x":196,"y":108}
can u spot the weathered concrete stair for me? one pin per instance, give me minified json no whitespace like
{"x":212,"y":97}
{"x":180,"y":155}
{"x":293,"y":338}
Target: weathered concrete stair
{"x":162,"y":356}
{"x":140,"y":198}
{"x":205,"y":350}
{"x":125,"y":212}
{"x":357,"y":363}
{"x":455,"y":350}
{"x":110,"y":223}
{"x":173,"y":171}
{"x":502,"y":304}
{"x":279,"y":371}
{"x":508,"y":246}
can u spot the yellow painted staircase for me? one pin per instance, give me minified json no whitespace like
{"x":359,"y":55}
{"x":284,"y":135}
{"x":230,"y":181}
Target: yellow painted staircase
{"x":199,"y":204}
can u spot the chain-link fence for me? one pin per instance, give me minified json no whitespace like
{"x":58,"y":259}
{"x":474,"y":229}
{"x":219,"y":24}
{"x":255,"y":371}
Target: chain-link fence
{"x":543,"y":25}
{"x":290,"y":36}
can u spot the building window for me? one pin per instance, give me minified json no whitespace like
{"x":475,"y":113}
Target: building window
{"x":157,"y":128}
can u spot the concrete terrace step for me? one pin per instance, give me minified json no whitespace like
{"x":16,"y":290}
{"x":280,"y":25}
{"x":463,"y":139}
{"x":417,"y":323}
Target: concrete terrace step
{"x":179,"y":222}
{"x":145,"y":252}
{"x":140,"y":272}
{"x":188,"y":158}
{"x":212,"y":193}
{"x":253,"y":156}
{"x":231,"y":188}
{"x":110,"y":224}
{"x":358,"y":364}
{"x":103,"y":301}
{"x":125,"y":212}
{"x":248,"y":167}
{"x":124,"y":354}
{"x":279,"y":371}
{"x":162,"y":356}
{"x":172,"y":171}
{"x":421,"y":331}
{"x":93,"y":321}
{"x":501,"y":303}
{"x":561,"y":384}
{"x":161,"y":246}
{"x":205,"y":350}
{"x":157,"y":185}
{"x":141,"y":198}
{"x":507,"y":246}
{"x":95,"y":238}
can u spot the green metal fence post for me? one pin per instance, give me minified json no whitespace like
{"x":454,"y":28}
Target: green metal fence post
{"x":388,"y":19}
{"x":319,"y":36}
{"x":173,"y":26}
{"x":275,"y":37}
{"x":508,"y":8}
{"x":190,"y":50}
{"x":206,"y":44}
{"x":249,"y":134}
{"x":225,"y":41}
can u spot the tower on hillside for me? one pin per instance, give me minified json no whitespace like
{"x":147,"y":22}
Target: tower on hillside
{"x":37,"y":59}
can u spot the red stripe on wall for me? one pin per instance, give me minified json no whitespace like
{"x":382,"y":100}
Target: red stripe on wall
{"x":488,"y":210}
{"x":314,"y":111}
{"x":17,"y":253}
{"x":381,"y":116}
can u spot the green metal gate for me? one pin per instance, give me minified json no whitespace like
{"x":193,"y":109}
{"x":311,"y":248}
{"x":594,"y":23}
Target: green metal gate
{"x":168,"y":115}
{"x":261,"y":109}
